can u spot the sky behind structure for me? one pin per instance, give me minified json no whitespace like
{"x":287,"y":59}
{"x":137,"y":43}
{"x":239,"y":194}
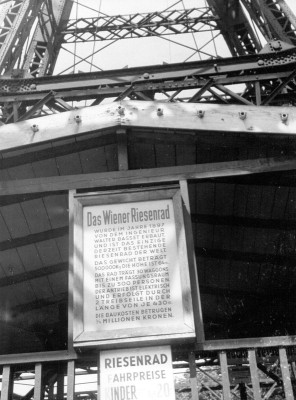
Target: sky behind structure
{"x":144,"y":51}
{"x":114,"y":54}
{"x":131,"y":6}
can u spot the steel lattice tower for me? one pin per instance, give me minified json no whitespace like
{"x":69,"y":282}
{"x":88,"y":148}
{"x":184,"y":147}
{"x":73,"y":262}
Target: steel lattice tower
{"x":234,"y":52}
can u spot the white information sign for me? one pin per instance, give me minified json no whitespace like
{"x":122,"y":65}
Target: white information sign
{"x":131,"y":266}
{"x":137,"y":374}
{"x":131,"y":271}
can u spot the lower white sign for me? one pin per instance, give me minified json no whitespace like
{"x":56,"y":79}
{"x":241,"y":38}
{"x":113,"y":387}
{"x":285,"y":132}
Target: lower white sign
{"x":137,"y":374}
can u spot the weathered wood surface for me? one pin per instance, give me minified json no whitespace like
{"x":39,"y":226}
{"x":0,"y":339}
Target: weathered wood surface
{"x":224,"y":118}
{"x":225,"y":376}
{"x":146,"y":176}
{"x":71,"y":380}
{"x":6,"y":389}
{"x":29,"y":358}
{"x":254,"y":375}
{"x":38,"y":388}
{"x":232,"y":344}
{"x":286,"y":374}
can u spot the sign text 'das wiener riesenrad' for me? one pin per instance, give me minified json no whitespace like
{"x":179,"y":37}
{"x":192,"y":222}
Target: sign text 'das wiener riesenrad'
{"x":132,"y":276}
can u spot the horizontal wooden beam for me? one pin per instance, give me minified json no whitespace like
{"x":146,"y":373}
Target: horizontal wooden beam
{"x":13,"y":199}
{"x":283,"y":294}
{"x":37,"y":273}
{"x":32,"y":358}
{"x":280,"y":178}
{"x":147,"y":176}
{"x":249,"y":343}
{"x":33,"y":238}
{"x":223,"y":254}
{"x":58,"y":126}
{"x":149,"y":114}
{"x":258,"y":223}
{"x":42,"y":303}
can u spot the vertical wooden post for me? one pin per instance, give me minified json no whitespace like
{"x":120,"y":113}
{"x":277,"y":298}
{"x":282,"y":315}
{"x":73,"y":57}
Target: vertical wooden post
{"x":225,"y":375}
{"x":122,"y":149}
{"x":60,"y":383}
{"x":71,"y":269}
{"x":254,"y":375}
{"x":70,"y":380}
{"x":200,"y":336}
{"x":193,"y":377}
{"x":7,"y":383}
{"x":286,"y":374}
{"x":38,"y":389}
{"x":99,"y":378}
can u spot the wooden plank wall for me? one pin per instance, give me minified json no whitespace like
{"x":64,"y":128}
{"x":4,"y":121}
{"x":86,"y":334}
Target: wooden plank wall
{"x":194,"y":376}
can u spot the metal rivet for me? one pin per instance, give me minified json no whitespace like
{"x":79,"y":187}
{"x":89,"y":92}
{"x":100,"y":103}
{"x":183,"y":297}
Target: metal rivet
{"x":77,"y":118}
{"x":200,"y":113}
{"x":120,"y":110}
{"x":159,"y":112}
{"x":284,"y":117}
{"x":242,"y":115}
{"x":146,"y":75}
{"x":35,"y":128}
{"x":276,"y":45}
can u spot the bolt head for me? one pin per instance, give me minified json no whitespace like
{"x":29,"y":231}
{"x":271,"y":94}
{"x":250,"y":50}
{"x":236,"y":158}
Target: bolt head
{"x":276,"y":45}
{"x":242,"y":115}
{"x":120,"y":110}
{"x":284,"y":117}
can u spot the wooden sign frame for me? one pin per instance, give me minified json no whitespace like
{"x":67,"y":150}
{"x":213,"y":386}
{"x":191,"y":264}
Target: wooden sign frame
{"x":146,"y":333}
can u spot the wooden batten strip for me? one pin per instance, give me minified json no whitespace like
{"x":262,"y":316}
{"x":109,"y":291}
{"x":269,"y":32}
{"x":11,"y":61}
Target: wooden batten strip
{"x":225,"y":375}
{"x":286,"y":374}
{"x":233,"y":344}
{"x":147,"y":176}
{"x":71,"y":380}
{"x":99,"y":397}
{"x":6,"y":383}
{"x":193,"y":377}
{"x":38,"y":389}
{"x":254,"y":375}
